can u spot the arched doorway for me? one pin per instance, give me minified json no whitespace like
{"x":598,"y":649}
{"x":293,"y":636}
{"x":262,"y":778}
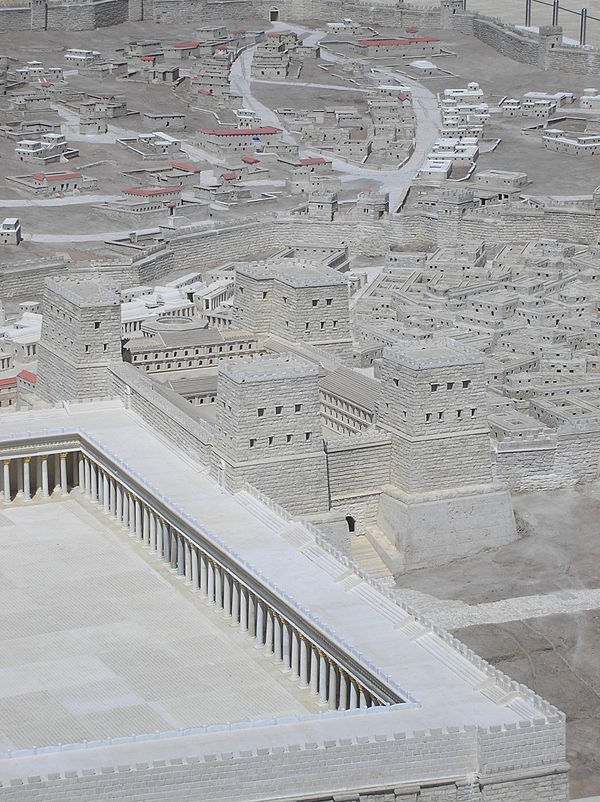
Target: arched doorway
{"x":274,"y":15}
{"x":351,"y":524}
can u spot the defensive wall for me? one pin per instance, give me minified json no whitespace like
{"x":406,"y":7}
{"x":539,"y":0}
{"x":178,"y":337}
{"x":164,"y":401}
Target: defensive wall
{"x":515,"y":44}
{"x":379,"y":752}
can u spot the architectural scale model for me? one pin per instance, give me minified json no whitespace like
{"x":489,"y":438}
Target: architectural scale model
{"x":299,"y":402}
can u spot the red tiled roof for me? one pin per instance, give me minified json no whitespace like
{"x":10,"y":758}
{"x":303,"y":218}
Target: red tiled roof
{"x":412,"y":29}
{"x":27,"y":376}
{"x":268,"y":129}
{"x":237,"y":31}
{"x":185,"y":45}
{"x":313,"y":160}
{"x":56,"y":176}
{"x":148,"y":58}
{"x":229,"y":176}
{"x":393,"y":42}
{"x":151,"y":191}
{"x":222,"y":47}
{"x":403,"y":96}
{"x":187,"y":168}
{"x":250,"y":160}
{"x":205,"y":91}
{"x":11,"y":381}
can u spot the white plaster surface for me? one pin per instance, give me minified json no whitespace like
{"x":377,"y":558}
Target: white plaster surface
{"x":99,"y":639}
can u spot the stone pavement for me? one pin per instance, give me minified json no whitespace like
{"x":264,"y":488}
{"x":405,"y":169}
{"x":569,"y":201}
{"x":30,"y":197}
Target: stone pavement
{"x":99,"y":639}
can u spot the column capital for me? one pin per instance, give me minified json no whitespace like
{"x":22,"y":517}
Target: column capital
{"x":6,"y":461}
{"x":63,"y":455}
{"x":44,"y":457}
{"x":27,"y":459}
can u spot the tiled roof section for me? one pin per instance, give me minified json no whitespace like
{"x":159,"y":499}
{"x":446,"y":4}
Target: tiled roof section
{"x":267,"y":130}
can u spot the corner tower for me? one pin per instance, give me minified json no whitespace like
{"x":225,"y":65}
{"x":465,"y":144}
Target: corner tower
{"x":81,"y":336}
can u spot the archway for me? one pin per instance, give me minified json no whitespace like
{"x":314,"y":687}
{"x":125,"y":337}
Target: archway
{"x":351,"y":523}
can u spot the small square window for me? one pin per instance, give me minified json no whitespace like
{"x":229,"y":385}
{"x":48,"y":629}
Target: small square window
{"x":473,"y":411}
{"x":466,"y":383}
{"x":105,"y":347}
{"x":306,"y":326}
{"x":440,"y":416}
{"x":329,"y":301}
{"x":297,"y":407}
{"x":434,"y":388}
{"x":270,"y":440}
{"x":459,"y":414}
{"x":252,"y":442}
{"x":288,"y":438}
{"x":396,"y":382}
{"x":427,"y":417}
{"x":264,"y":295}
{"x":278,"y":410}
{"x":260,"y":412}
{"x":315,"y":302}
{"x":322,"y":325}
{"x":450,"y":386}
{"x":97,"y":325}
{"x":307,"y":436}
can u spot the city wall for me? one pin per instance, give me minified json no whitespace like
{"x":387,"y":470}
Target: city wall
{"x":162,"y":409}
{"x":379,"y":767}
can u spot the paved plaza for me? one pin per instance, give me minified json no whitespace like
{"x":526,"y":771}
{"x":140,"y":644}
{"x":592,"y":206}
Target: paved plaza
{"x":100,"y":640}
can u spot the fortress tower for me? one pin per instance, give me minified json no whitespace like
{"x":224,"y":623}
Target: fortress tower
{"x":269,"y":431}
{"x":81,"y":336}
{"x":443,"y":500}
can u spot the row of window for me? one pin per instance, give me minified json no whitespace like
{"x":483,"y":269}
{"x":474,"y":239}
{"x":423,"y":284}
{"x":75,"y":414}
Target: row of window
{"x":460,"y":414}
{"x":195,"y":351}
{"x":289,"y":438}
{"x":260,"y":412}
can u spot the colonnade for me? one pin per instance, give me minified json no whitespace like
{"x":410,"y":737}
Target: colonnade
{"x":40,"y":474}
{"x":306,"y":662}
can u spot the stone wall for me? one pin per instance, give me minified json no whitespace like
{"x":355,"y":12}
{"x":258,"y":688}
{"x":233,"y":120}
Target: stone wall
{"x":163,"y":410}
{"x":376,"y":768}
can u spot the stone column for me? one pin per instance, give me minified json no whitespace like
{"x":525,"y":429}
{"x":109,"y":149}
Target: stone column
{"x":204,"y":574}
{"x":353,"y":704}
{"x":137,"y":526}
{"x":45,"y":486}
{"x":94,"y":478}
{"x":218,"y":587}
{"x":194,"y":562}
{"x":146,"y":526}
{"x":174,"y":538}
{"x":269,"y":630}
{"x":113,"y":497}
{"x":6,"y":477}
{"x":260,"y":612}
{"x":188,"y":560}
{"x":332,"y":686}
{"x":153,"y":537}
{"x":76,"y":463}
{"x":362,"y":698}
{"x":244,"y":609}
{"x":211,"y":582}
{"x":132,"y":511}
{"x":64,"y":484}
{"x":285,"y":646}
{"x":295,"y":655}
{"x":226,"y":594}
{"x":105,"y":492}
{"x":277,"y":624}
{"x":26,"y":479}
{"x":322,"y":679}
{"x":119,"y":511}
{"x":235,"y":603}
{"x":81,"y":471}
{"x":88,"y":477}
{"x":343,"y":691}
{"x":303,"y":662}
{"x":57,"y":472}
{"x":166,"y":535}
{"x":180,"y":556}
{"x":314,"y":670}
{"x":251,"y":613}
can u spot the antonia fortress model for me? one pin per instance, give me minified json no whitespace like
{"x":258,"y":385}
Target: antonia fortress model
{"x":273,"y":294}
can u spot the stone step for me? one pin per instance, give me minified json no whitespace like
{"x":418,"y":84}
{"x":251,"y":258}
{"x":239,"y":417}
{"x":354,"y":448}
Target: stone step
{"x":367,"y":557}
{"x":260,"y":511}
{"x":384,"y":548}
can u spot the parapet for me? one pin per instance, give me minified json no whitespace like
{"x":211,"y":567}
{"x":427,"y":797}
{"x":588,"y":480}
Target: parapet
{"x":293,"y":272}
{"x":267,"y":368}
{"x":441,"y":352}
{"x":87,"y":291}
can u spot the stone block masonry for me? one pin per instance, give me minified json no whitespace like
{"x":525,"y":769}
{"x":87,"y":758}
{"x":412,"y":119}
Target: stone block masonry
{"x":81,"y":336}
{"x":269,"y":431}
